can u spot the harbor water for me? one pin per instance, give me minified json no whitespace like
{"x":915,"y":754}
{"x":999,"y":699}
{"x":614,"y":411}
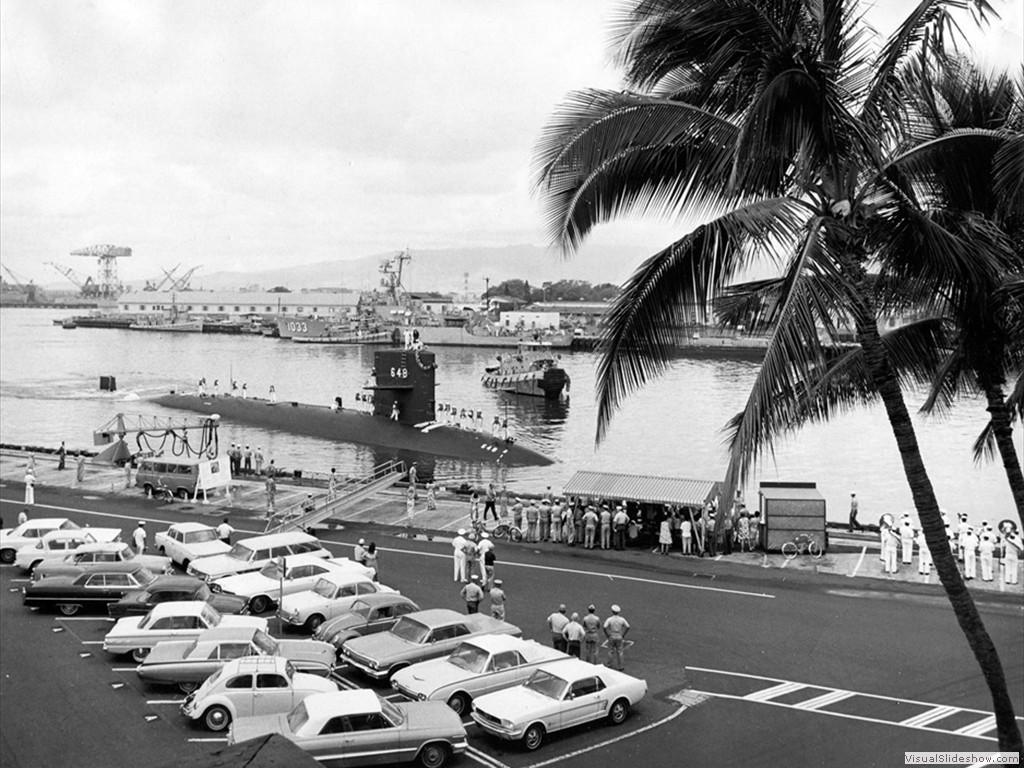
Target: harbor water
{"x":49,"y":391}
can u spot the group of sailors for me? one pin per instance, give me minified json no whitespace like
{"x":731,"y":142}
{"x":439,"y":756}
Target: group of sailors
{"x":973,"y":546}
{"x":235,"y":390}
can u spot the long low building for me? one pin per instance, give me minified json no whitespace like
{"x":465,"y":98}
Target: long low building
{"x":237,"y":304}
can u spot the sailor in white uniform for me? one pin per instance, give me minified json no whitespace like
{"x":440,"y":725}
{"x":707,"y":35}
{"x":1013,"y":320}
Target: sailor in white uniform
{"x":1011,"y":557}
{"x":907,"y":539}
{"x":969,"y":545}
{"x":986,"y":549}
{"x":459,"y":561}
{"x":924,"y":555}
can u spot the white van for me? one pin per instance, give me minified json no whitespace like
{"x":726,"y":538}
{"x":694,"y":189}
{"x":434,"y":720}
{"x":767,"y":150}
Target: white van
{"x":252,"y":554}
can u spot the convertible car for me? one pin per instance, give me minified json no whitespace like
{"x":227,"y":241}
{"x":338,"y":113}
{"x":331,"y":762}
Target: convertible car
{"x":92,"y":589}
{"x":558,"y":695}
{"x":360,"y":728}
{"x":169,"y":588}
{"x":187,"y":663}
{"x":254,"y":685}
{"x":478,"y":666}
{"x":417,"y":637}
{"x":169,"y":621}
{"x":91,"y":555}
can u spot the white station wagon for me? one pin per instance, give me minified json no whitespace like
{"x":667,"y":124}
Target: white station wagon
{"x":482,"y":665}
{"x":173,"y":620}
{"x":300,"y":572}
{"x":558,"y":695}
{"x":253,"y":553}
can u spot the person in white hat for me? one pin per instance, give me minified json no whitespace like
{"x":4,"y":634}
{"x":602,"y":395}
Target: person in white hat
{"x":986,"y":551}
{"x":498,"y":600}
{"x":615,"y":629}
{"x":1011,"y":556}
{"x":472,"y":594}
{"x":969,"y":545}
{"x":139,"y":538}
{"x":359,"y":552}
{"x":484,"y":546}
{"x":459,"y":556}
{"x":907,"y":539}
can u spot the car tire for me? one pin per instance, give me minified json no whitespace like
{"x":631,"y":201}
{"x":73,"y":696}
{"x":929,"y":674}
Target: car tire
{"x":433,"y":755}
{"x":184,"y":494}
{"x":163,"y":551}
{"x":184,"y":564}
{"x":148,"y":489}
{"x":7,"y":556}
{"x":187,"y":687}
{"x":69,"y":609}
{"x":533,"y":737}
{"x":139,"y":654}
{"x":216,"y":718}
{"x":459,"y":703}
{"x":259,"y":604}
{"x":618,"y":712}
{"x":313,"y":623}
{"x":32,"y":568}
{"x":395,"y":669}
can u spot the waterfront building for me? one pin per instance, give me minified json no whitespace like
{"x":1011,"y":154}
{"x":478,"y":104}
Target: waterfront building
{"x":235,"y":305}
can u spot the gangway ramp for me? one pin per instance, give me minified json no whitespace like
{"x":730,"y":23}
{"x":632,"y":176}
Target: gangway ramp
{"x":347,"y":494}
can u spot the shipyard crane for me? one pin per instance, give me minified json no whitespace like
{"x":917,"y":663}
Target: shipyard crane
{"x":186,"y":436}
{"x":108,"y":286}
{"x":168,"y":275}
{"x":181,"y":283}
{"x":32,"y":292}
{"x":87,"y":287}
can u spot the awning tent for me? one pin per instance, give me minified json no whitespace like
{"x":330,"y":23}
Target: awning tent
{"x":642,"y":488}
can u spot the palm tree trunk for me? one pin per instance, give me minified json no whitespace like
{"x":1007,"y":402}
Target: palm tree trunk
{"x":1002,"y":429}
{"x":887,"y":386}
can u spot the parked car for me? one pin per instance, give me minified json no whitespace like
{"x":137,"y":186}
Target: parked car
{"x":558,"y":695}
{"x":179,"y":620}
{"x":169,"y":588}
{"x":55,"y":545}
{"x":253,"y":685}
{"x":300,"y":572}
{"x":89,"y":589}
{"x":368,"y":615}
{"x":186,"y":663}
{"x":184,"y":542}
{"x":333,"y":593}
{"x":476,"y":667}
{"x":360,"y":728}
{"x":418,"y":637}
{"x":89,"y":555}
{"x":29,"y":532}
{"x":253,"y":553}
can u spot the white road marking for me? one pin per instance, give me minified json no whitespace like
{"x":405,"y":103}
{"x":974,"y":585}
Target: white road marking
{"x":210,"y":739}
{"x":123,"y":669}
{"x":926,"y":718}
{"x":824,"y":700}
{"x":87,"y":642}
{"x":165,"y":701}
{"x":83,"y":618}
{"x":483,"y":758}
{"x":978,"y":728}
{"x":860,"y":561}
{"x":775,"y":691}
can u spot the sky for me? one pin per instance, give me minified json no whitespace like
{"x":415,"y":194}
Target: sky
{"x":250,"y":135}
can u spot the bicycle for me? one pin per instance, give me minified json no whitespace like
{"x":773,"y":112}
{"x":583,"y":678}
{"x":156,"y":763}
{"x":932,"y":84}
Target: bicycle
{"x":500,"y":531}
{"x":163,"y":493}
{"x":803,"y":543}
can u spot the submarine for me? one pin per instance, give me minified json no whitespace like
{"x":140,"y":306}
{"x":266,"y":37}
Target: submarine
{"x":403,"y":415}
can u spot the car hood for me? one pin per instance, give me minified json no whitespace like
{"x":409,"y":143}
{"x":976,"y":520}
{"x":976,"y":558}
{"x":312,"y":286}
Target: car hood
{"x":207,"y":549}
{"x":245,"y":728}
{"x":305,"y":682}
{"x":228,"y":604}
{"x":247,"y":583}
{"x":126,"y":627}
{"x":513,"y":704}
{"x":303,"y":601}
{"x":432,"y":715}
{"x":307,"y":650}
{"x":216,"y":565}
{"x":155,"y":563}
{"x":342,"y":623}
{"x":381,"y":646}
{"x":428,"y":676}
{"x":168,"y":651}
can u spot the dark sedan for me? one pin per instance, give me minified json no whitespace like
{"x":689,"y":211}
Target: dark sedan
{"x":369,"y":614}
{"x":168,"y":588}
{"x":92,"y":589}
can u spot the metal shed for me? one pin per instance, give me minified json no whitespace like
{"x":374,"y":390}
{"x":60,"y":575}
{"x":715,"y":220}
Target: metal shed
{"x":647,"y":489}
{"x":788,"y":510}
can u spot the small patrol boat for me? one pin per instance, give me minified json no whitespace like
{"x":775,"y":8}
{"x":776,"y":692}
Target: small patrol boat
{"x":533,"y":370}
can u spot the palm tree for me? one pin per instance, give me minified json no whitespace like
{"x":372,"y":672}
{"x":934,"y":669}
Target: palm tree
{"x":775,"y":123}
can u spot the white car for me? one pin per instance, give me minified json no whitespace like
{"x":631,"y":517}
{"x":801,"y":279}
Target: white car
{"x":30,"y":532}
{"x":184,"y":542}
{"x":173,"y":620}
{"x":479,"y":666}
{"x":55,"y":545}
{"x":332,"y":595}
{"x":92,"y":555}
{"x":558,"y":695}
{"x":253,"y":553}
{"x":300,"y":572}
{"x":250,"y":687}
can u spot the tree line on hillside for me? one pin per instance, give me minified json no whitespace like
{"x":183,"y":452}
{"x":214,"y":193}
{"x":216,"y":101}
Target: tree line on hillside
{"x":561,"y":290}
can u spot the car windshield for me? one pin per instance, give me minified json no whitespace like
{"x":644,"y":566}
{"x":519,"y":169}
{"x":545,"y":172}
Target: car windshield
{"x":210,"y":616}
{"x":361,"y":609}
{"x":265,"y":643}
{"x":410,"y":630}
{"x":125,"y":552}
{"x":199,"y":537}
{"x":546,"y":684}
{"x":203,"y":593}
{"x":469,"y":658}
{"x":298,"y":717}
{"x":324,"y":588}
{"x":67,"y":525}
{"x":144,"y":576}
{"x":272,"y":571}
{"x":392,"y":712}
{"x":241,"y":552}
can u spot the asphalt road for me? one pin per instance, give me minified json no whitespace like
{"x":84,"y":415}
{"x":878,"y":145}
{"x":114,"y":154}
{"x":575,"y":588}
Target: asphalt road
{"x":744,"y":666}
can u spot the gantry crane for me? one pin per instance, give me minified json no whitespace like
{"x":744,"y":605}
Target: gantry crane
{"x":88,"y":287}
{"x":107,"y":284}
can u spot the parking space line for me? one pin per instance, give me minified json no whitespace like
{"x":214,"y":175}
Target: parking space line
{"x":83,"y":618}
{"x":775,"y":691}
{"x":91,"y":642}
{"x":978,"y":728}
{"x":824,"y":700}
{"x":165,"y":701}
{"x":483,"y":758}
{"x":930,"y":716}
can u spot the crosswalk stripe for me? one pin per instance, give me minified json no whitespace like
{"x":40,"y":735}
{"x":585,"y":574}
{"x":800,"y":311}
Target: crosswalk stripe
{"x":774,"y":692}
{"x":824,"y":700}
{"x":924,"y":718}
{"x":978,"y":728}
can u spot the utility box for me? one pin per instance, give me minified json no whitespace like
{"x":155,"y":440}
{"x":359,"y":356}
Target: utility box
{"x":789,"y":510}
